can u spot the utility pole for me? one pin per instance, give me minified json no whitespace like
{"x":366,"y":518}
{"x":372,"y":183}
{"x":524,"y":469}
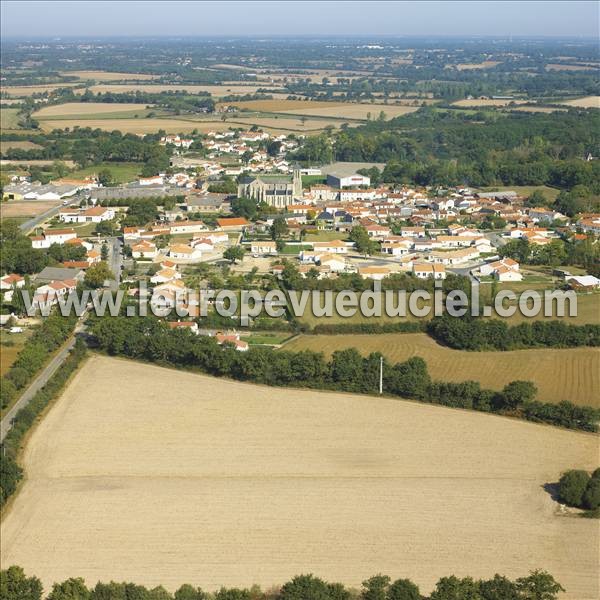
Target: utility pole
{"x":381,"y":375}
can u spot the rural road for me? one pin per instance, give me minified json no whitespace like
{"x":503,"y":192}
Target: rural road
{"x":38,"y":383}
{"x":35,"y":221}
{"x":115,"y":260}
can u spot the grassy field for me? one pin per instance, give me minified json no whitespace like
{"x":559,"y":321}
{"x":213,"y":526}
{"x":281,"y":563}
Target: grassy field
{"x":570,"y":374}
{"x":588,"y":308}
{"x":121,"y":172}
{"x":91,"y":110}
{"x":9,"y":118}
{"x":10,"y":346}
{"x":174,"y":470}
{"x":587,"y":102}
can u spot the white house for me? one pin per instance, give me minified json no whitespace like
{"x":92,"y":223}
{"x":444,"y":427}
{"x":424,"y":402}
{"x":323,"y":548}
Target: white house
{"x":184,"y":252}
{"x":332,"y":247}
{"x":53,"y":236}
{"x":95,"y":214}
{"x":187,"y":227}
{"x":144,"y":249}
{"x":505,"y":269}
{"x":334,"y":262}
{"x":264,"y":248}
{"x":165,"y":275}
{"x":202,"y":244}
{"x":425,"y":270}
{"x":396,"y":247}
{"x":375,"y":273}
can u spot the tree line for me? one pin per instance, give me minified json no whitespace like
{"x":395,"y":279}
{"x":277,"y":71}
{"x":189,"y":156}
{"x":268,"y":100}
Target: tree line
{"x":10,"y":472}
{"x":51,"y":334}
{"x":538,"y":585}
{"x":473,"y":333}
{"x":147,"y":338}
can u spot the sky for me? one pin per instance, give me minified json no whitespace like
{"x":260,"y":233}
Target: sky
{"x":230,"y":18}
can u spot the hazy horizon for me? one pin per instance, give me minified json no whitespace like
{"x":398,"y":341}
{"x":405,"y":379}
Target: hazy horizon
{"x":434,"y":19}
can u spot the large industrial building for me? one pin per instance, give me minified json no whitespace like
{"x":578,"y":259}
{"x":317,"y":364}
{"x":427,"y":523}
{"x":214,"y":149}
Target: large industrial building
{"x":340,"y":181}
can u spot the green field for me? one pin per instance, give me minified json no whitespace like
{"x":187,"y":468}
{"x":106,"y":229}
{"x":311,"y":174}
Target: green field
{"x":9,"y":118}
{"x":325,"y":236}
{"x":121,"y":172}
{"x":588,"y":311}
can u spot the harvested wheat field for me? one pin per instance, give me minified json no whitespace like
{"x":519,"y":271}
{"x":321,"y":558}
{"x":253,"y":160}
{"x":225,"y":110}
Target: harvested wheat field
{"x":74,"y":109}
{"x":110,"y":76}
{"x":353,"y":111}
{"x":23,"y":91}
{"x":472,"y":102}
{"x":567,"y":374}
{"x":139,"y":126}
{"x":25,"y":208}
{"x":587,"y":102}
{"x":174,"y":477}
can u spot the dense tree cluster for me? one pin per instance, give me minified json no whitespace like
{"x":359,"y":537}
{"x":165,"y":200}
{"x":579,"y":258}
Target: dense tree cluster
{"x":433,"y":147}
{"x":148,"y":339}
{"x":538,"y":585}
{"x":579,"y":489}
{"x":88,"y":146}
{"x":18,"y":256}
{"x":493,"y":334}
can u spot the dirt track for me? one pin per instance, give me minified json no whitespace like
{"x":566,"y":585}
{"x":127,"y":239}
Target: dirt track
{"x":157,"y":476}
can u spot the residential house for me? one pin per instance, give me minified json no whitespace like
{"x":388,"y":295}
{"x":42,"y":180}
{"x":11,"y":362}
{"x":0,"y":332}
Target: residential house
{"x":144,"y":249}
{"x":332,"y":247}
{"x":265,"y":248}
{"x":505,"y":269}
{"x":184,"y":252}
{"x":376,"y":273}
{"x":426,"y":270}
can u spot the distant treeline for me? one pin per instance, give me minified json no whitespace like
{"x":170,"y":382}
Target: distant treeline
{"x":87,"y":146}
{"x":146,"y":338}
{"x":538,"y":585}
{"x":494,"y":334}
{"x":436,"y":147}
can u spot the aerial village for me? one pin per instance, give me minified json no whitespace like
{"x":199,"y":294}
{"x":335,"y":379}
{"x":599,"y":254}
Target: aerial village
{"x":326,"y":221}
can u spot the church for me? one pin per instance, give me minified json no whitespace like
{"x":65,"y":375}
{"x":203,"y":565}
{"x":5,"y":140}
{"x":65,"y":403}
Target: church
{"x":276,"y":190}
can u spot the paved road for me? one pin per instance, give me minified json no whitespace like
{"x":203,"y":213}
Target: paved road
{"x":38,"y":383}
{"x":115,"y":261}
{"x":27,"y":226}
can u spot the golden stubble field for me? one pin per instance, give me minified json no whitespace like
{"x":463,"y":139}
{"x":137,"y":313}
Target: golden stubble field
{"x":559,"y":374}
{"x":73,"y":109}
{"x":170,"y":477}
